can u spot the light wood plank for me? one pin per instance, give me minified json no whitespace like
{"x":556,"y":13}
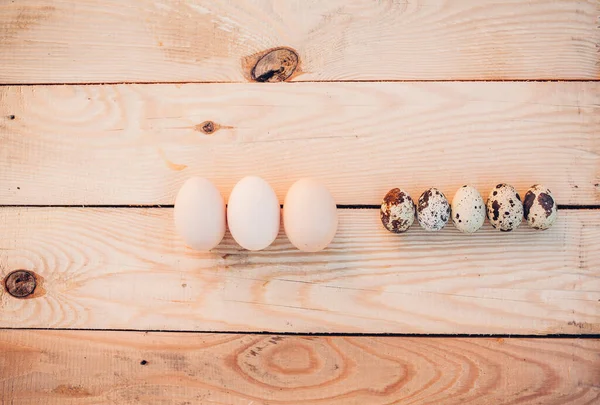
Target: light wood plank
{"x":126,"y":368}
{"x":137,"y":144}
{"x":75,"y":41}
{"x":127,"y":269}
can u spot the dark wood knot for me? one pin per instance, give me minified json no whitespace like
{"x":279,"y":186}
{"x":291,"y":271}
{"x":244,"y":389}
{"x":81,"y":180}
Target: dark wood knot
{"x":276,"y":65}
{"x":208,"y":127}
{"x":20,"y":283}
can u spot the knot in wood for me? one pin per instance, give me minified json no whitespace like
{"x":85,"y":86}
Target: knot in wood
{"x":208,"y":127}
{"x":275,"y":66}
{"x":20,"y":283}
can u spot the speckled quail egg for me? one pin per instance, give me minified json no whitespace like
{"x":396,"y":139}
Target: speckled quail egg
{"x":433,"y":210}
{"x":539,"y":207}
{"x":397,"y":211}
{"x":468,"y":209}
{"x":504,"y":208}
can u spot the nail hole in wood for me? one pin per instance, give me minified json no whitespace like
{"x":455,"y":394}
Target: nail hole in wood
{"x":12,"y":117}
{"x":276,"y":65}
{"x":20,"y":283}
{"x":143,"y":362}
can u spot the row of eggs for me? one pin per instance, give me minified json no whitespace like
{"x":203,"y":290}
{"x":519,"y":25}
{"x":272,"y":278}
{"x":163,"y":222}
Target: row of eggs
{"x":253,"y":214}
{"x":310,"y":213}
{"x":504,"y":209}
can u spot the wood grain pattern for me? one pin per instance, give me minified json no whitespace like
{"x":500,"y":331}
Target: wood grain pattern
{"x":137,"y":144}
{"x":127,"y":368}
{"x":129,"y":144}
{"x":127,"y":269}
{"x":75,"y":41}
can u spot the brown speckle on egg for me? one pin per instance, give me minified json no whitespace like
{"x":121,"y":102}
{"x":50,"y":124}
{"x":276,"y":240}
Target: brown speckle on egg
{"x":496,"y":209}
{"x":547,"y":203}
{"x":397,"y":211}
{"x":528,"y":202}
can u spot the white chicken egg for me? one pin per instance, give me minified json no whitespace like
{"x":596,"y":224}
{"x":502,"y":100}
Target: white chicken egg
{"x":309,"y":215}
{"x":253,"y":213}
{"x":468,"y":209}
{"x":199,"y":214}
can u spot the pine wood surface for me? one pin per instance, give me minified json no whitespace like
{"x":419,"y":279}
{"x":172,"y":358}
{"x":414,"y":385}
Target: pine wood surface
{"x":99,"y":41}
{"x":126,"y":368}
{"x":137,"y":144}
{"x":384,"y":94}
{"x":125,"y":268}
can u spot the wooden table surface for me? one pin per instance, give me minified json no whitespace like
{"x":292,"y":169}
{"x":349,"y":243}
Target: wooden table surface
{"x":107,"y":107}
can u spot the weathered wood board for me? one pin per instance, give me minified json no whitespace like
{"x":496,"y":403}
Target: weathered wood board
{"x":116,"y":103}
{"x":136,"y":144}
{"x":99,"y":41}
{"x":127,"y":368}
{"x":125,"y":268}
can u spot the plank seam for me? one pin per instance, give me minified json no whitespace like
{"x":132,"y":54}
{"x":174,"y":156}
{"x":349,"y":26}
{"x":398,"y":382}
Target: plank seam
{"x":565,"y":207}
{"x":315,"y":81}
{"x":325,"y":334}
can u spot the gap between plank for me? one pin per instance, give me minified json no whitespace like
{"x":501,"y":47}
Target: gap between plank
{"x":325,"y":334}
{"x":315,"y":81}
{"x":560,"y":207}
{"x":566,"y":207}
